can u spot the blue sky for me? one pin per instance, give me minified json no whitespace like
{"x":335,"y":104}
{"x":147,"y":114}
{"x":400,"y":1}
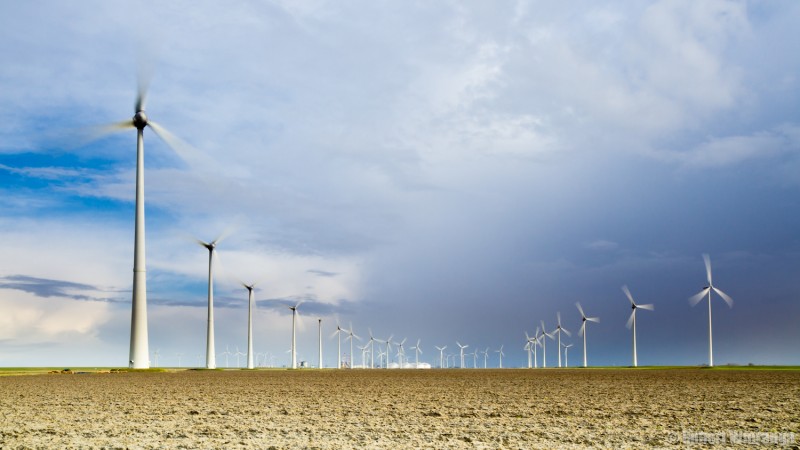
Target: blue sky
{"x":432,"y":170}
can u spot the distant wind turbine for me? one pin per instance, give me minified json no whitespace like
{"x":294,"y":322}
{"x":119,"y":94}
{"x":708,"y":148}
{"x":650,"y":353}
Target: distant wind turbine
{"x":462,"y":347}
{"x":582,"y":331}
{"x":211,"y":361}
{"x":544,"y":344}
{"x":707,"y":291}
{"x":559,"y":330}
{"x":338,"y":333}
{"x":250,"y":306}
{"x":417,"y":351}
{"x":351,"y":335}
{"x":319,"y":366}
{"x":566,"y":357}
{"x":632,"y":319}
{"x":500,"y":354}
{"x":294,"y":334}
{"x":441,"y":356}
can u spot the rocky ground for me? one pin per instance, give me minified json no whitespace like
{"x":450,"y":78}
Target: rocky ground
{"x":332,"y":409}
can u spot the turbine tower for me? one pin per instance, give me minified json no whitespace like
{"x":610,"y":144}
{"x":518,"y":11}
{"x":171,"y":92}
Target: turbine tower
{"x":632,"y":319}
{"x":139,"y":356}
{"x":582,"y":331}
{"x":706,"y":291}
{"x":351,"y":335}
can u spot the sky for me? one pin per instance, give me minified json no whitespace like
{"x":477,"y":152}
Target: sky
{"x":443,"y":171}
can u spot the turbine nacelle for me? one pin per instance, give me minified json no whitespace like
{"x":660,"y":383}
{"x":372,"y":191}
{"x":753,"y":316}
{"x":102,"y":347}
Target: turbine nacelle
{"x":140,"y":120}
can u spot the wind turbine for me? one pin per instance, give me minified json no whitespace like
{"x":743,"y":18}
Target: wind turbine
{"x":226,"y":353}
{"x":351,"y":335}
{"x":401,"y":352}
{"x":566,"y":358}
{"x":441,"y":355}
{"x":462,"y":347}
{"x":294,"y":334}
{"x":559,"y":330}
{"x":156,"y":357}
{"x":238,"y":353}
{"x":582,"y":331}
{"x":417,"y":351}
{"x":319,"y":366}
{"x":707,"y":291}
{"x":371,"y":349}
{"x":139,"y":356}
{"x":338,"y":333}
{"x":474,"y":358}
{"x":545,"y":334}
{"x":500,"y":353}
{"x":632,"y":319}
{"x":529,"y":347}
{"x":211,"y":362}
{"x":250,"y":305}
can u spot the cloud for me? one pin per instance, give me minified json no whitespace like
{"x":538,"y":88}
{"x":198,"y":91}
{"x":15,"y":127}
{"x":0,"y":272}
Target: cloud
{"x":43,"y":287}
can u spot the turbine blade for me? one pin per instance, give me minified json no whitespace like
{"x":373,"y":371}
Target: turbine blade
{"x":566,"y":331}
{"x":184,"y":150}
{"x":578,"y":304}
{"x":630,"y":320}
{"x":628,"y":293}
{"x":558,"y":317}
{"x":693,"y":300}
{"x":580,"y":332}
{"x":593,"y":319}
{"x":90,"y":134}
{"x":725,"y":297}
{"x":144,"y":73}
{"x":707,"y":260}
{"x":648,"y":307}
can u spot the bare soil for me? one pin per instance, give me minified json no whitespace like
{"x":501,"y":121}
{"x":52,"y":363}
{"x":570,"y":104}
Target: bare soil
{"x":332,"y":409}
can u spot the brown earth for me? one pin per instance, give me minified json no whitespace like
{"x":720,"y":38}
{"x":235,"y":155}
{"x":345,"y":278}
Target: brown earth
{"x":549,"y":408}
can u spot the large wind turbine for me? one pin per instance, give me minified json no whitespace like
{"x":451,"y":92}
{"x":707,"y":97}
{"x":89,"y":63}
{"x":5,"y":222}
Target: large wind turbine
{"x":500,"y":353}
{"x":582,"y":331}
{"x":211,"y":361}
{"x":138,"y":357}
{"x":707,"y":291}
{"x":294,"y":334}
{"x":462,"y":347}
{"x":566,"y":355}
{"x":632,"y":319}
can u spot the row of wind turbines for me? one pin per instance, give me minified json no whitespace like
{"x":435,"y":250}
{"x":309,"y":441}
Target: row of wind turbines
{"x":539,"y":337}
{"x":139,"y":343}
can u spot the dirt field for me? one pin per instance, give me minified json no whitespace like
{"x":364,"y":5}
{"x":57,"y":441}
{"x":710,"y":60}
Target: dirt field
{"x":396,"y":408}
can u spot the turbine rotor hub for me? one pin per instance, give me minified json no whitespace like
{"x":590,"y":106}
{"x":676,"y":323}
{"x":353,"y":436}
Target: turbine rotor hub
{"x":140,"y":120}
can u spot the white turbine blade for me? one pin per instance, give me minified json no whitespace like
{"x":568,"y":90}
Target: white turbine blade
{"x":458,"y":344}
{"x":693,"y":300}
{"x":184,"y":150}
{"x":580,"y":309}
{"x":593,"y":319}
{"x":558,"y":317}
{"x":707,"y":260}
{"x":628,"y":293}
{"x":527,"y":338}
{"x":580,"y":332}
{"x":648,"y":307}
{"x":725,"y":297}
{"x":566,"y":331}
{"x":630,"y":320}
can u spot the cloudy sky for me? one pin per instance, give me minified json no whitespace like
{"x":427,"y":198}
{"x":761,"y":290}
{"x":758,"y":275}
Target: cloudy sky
{"x":432,"y":170}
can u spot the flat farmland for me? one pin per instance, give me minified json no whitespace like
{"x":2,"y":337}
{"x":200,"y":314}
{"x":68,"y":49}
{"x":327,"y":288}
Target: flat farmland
{"x":508,"y":408}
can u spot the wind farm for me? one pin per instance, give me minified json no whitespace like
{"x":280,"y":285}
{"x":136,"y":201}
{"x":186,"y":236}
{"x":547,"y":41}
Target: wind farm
{"x":436,"y":206}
